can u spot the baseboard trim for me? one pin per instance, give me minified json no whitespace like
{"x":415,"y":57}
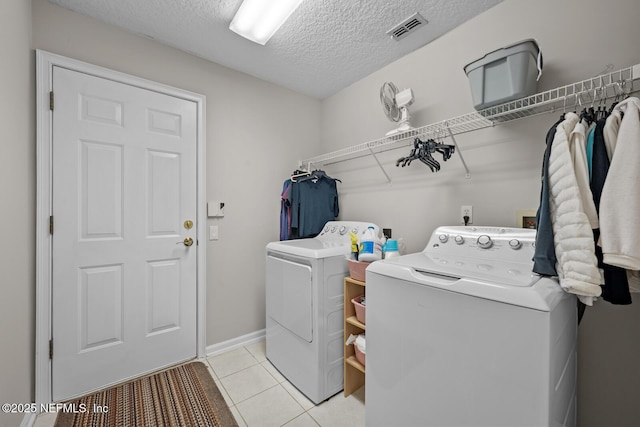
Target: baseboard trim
{"x":233,"y":343}
{"x":28,"y":420}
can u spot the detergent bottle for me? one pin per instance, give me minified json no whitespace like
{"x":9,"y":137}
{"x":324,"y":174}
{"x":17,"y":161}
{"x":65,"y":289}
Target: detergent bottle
{"x":370,"y":247}
{"x":391,"y":249}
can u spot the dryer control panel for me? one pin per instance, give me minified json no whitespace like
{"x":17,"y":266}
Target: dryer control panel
{"x":338,"y":231}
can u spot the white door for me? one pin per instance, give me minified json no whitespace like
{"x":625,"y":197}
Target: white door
{"x":124,"y":189}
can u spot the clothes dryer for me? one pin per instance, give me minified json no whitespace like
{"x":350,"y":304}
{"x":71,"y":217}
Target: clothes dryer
{"x":464,"y":334}
{"x":304,"y":307}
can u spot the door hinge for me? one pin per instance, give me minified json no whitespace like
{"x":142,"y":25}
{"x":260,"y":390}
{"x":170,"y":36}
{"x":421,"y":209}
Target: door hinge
{"x":51,"y":100}
{"x":51,"y":224}
{"x":51,"y":349}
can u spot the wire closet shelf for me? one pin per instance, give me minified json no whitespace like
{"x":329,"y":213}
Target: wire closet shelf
{"x":589,"y":92}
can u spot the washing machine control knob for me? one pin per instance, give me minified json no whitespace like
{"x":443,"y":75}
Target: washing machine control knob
{"x":459,"y":240}
{"x":343,"y":230}
{"x":443,"y":238}
{"x":515,"y":244}
{"x":333,"y":229}
{"x":485,"y":242}
{"x":326,"y":228}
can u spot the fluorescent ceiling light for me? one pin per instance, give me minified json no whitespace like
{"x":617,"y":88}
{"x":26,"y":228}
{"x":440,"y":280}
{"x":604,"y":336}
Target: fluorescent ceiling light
{"x":258,"y":20}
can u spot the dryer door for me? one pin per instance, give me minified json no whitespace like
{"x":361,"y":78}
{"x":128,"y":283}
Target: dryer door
{"x":289,"y":295}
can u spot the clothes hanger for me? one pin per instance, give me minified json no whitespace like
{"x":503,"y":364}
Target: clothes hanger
{"x":404,"y":161}
{"x":301,"y":172}
{"x":592,"y":112}
{"x":423,"y":150}
{"x":602,"y":105}
{"x":431,"y":162}
{"x":564,"y":107}
{"x":445,"y":150}
{"x":601,"y":113}
{"x":297,"y":174}
{"x":584,"y":114}
{"x":317,"y":175}
{"x":426,"y":149}
{"x":618,"y":89}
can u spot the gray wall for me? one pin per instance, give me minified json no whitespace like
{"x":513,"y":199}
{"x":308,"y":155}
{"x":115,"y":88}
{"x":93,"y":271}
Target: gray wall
{"x":253,"y":143}
{"x":578,"y":39}
{"x":17,"y":208}
{"x":256,"y":132}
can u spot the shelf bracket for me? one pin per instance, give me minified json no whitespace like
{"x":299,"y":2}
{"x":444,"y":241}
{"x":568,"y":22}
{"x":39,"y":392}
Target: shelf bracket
{"x":380,"y":165}
{"x":467,"y":175}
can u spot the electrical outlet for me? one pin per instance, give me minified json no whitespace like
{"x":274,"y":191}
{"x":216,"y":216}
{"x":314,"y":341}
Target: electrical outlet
{"x":386,"y":232}
{"x":466,"y":211}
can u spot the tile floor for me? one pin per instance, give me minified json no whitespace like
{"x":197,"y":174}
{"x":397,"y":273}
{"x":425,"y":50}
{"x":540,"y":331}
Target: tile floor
{"x":259,"y":396}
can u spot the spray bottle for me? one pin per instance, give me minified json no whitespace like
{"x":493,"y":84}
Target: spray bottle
{"x":354,"y":245}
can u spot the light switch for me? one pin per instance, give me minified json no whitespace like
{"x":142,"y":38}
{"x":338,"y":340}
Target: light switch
{"x":213,"y":232}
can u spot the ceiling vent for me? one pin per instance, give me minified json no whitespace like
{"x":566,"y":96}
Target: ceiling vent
{"x":406,"y":27}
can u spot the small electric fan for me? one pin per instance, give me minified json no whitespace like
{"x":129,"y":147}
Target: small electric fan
{"x":395,"y":105}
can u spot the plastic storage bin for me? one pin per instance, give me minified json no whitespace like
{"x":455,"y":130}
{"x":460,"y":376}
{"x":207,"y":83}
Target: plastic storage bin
{"x":361,"y":310}
{"x":360,"y":356}
{"x":505,"y":74}
{"x":357,"y":269}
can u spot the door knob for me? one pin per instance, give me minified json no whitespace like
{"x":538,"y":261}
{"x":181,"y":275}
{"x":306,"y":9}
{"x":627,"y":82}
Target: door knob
{"x":187,"y":242}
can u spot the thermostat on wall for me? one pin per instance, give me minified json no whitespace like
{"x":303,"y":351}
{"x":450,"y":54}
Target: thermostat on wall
{"x":215,"y":209}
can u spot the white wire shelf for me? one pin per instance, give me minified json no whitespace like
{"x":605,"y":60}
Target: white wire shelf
{"x":589,"y":92}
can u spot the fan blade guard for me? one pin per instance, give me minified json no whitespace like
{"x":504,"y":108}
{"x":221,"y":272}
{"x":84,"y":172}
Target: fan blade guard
{"x":388,"y":93}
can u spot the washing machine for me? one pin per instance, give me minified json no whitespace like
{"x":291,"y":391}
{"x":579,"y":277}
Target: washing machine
{"x":304,"y":307}
{"x":464,"y":334}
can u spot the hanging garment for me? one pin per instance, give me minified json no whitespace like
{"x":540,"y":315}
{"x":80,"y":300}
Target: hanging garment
{"x":314,"y":202}
{"x":620,"y":203}
{"x":599,"y":163}
{"x":590,"y":152}
{"x":616,"y":286}
{"x":544,"y":257}
{"x":633,"y":277}
{"x":575,"y":249}
{"x":611,"y":129}
{"x":285,"y":210}
{"x":578,"y":149}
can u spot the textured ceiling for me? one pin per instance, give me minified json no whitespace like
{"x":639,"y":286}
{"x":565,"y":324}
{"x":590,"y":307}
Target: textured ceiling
{"x":324,"y":46}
